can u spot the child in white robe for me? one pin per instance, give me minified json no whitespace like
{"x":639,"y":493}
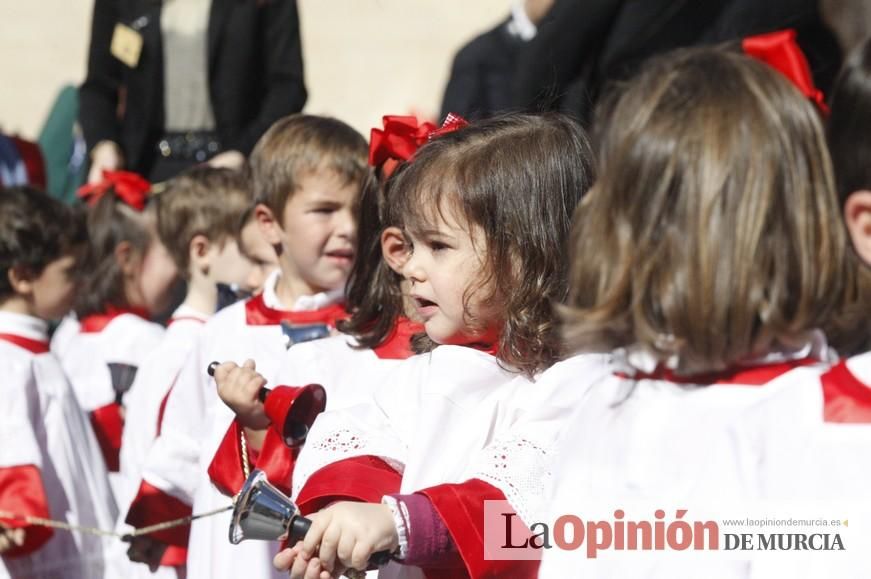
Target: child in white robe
{"x":127,"y":277}
{"x":704,"y":260}
{"x":50,"y":464}
{"x":486,"y":211}
{"x":199,"y":214}
{"x":307,"y":174}
{"x":831,"y":443}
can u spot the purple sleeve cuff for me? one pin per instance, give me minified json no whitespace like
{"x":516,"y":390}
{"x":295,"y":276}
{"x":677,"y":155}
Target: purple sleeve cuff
{"x":429,"y":541}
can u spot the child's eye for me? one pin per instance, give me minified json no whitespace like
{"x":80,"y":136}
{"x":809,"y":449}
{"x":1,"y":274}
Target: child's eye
{"x":438,"y":246}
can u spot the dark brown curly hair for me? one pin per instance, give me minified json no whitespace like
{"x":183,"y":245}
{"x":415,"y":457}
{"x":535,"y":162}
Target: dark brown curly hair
{"x":518,"y":178}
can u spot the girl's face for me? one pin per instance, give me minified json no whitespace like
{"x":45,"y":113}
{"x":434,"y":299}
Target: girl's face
{"x":444,"y":269}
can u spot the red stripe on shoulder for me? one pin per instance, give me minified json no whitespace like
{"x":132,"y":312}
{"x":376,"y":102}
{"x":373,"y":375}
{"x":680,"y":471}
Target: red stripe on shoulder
{"x":846,"y":399}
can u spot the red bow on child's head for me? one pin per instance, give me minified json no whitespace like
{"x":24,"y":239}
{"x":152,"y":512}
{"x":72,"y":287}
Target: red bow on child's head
{"x":402,"y":136}
{"x":129,"y":187}
{"x":780,"y":51}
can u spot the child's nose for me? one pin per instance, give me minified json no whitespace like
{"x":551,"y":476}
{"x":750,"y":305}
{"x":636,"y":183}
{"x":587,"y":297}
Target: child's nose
{"x":412,"y":270}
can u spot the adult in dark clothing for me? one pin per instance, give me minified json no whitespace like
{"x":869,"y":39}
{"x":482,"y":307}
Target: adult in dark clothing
{"x":210,"y":78}
{"x":583,"y":44}
{"x":482,"y":73}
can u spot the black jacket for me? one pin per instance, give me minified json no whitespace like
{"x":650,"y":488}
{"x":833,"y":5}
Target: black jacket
{"x":255,"y":75}
{"x":584,"y":44}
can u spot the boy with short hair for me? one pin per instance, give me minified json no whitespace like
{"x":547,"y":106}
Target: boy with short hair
{"x":307,"y":174}
{"x":50,"y":463}
{"x":198,"y":217}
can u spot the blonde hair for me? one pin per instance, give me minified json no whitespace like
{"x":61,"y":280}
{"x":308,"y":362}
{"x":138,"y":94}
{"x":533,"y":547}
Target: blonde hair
{"x":713,"y":230}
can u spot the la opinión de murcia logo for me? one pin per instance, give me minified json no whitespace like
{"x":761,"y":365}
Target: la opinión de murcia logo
{"x":661,"y":533}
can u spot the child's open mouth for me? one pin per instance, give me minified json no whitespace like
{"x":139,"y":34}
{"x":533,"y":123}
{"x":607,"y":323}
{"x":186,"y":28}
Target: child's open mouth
{"x":342,"y":256}
{"x":425,"y":308}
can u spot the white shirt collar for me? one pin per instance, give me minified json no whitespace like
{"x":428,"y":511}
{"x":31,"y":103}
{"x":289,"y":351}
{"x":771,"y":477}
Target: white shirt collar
{"x":520,"y":25}
{"x":303,"y":303}
{"x":812,"y":344}
{"x":24,"y":326}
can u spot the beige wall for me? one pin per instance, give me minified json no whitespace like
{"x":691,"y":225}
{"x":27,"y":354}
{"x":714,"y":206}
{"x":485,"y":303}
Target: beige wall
{"x":364,"y":58}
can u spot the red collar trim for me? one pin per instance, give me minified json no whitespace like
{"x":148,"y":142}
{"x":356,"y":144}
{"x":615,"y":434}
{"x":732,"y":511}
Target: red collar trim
{"x":397,"y":346}
{"x":846,"y":398}
{"x":257,"y":313}
{"x":29,"y":344}
{"x":96,"y":323}
{"x":747,"y":376}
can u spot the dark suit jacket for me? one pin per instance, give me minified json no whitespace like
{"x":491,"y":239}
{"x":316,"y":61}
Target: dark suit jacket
{"x":482,"y":75}
{"x":584,"y":44}
{"x":255,"y":75}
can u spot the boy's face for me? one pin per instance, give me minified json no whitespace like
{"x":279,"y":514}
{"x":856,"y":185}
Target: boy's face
{"x":54,"y":290}
{"x":318,"y":233}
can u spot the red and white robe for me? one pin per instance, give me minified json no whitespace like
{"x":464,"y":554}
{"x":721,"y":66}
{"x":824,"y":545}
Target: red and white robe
{"x":101,"y":362}
{"x":175,"y":480}
{"x":349,"y":375}
{"x":646,"y":437}
{"x":437,"y":426}
{"x":50,"y":463}
{"x":145,"y":403}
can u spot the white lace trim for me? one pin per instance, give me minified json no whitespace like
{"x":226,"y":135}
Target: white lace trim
{"x":336,"y":445}
{"x":521,"y":469}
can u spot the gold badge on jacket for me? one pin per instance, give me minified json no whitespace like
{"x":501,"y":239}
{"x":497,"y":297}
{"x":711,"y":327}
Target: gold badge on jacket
{"x":126,"y":45}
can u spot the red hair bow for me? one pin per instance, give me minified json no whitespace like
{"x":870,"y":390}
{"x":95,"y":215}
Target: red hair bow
{"x":129,"y":187}
{"x":402,"y":136}
{"x":780,"y":51}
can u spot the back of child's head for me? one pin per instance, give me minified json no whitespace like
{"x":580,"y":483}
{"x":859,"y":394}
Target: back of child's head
{"x":713,"y":231}
{"x":300,"y":145}
{"x":207,"y":201}
{"x":35,"y":230}
{"x":111,"y":221}
{"x":516,"y":179}
{"x":849,"y":126}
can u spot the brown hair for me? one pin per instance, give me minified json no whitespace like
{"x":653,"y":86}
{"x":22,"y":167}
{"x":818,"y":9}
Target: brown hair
{"x":517,"y":177}
{"x":205,"y":201}
{"x":713,"y":230}
{"x":372,"y":294}
{"x":35,"y":230}
{"x":110,"y":222}
{"x":298,"y":145}
{"x":849,"y":136}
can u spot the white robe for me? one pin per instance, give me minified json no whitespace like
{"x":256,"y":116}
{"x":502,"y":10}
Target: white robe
{"x":194,"y":423}
{"x":432,"y":419}
{"x":41,"y":424}
{"x":154,"y":379}
{"x":654,"y":443}
{"x":127,"y":339}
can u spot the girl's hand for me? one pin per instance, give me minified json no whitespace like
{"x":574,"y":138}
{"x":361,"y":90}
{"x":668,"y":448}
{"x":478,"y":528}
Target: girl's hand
{"x":293,"y":560}
{"x":239,"y":388}
{"x":345,"y":535}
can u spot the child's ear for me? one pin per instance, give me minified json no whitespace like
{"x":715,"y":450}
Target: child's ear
{"x":857,"y":215}
{"x":394,"y":248}
{"x":127,"y":258}
{"x":198,"y":253}
{"x":269,"y":224}
{"x":20,"y":280}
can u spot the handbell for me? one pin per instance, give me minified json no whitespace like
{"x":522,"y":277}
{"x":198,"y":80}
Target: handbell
{"x":291,"y":409}
{"x":262,"y":512}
